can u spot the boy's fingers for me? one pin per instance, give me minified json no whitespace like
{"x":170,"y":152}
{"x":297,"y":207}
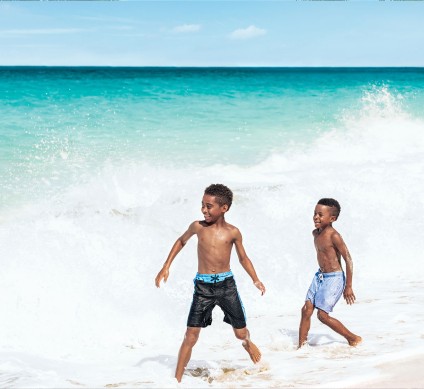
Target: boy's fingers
{"x":157,"y":280}
{"x":260,"y":286}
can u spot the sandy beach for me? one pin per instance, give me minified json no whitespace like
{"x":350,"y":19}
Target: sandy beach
{"x":402,"y":373}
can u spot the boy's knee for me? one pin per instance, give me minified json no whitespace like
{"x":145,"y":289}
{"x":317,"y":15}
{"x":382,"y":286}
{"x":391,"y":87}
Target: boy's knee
{"x":322,"y":316}
{"x":191,"y":337}
{"x":307,"y":310}
{"x":241,"y":333}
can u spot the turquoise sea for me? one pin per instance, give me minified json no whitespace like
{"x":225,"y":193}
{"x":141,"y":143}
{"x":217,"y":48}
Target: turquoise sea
{"x":62,"y":125}
{"x":102,"y":169}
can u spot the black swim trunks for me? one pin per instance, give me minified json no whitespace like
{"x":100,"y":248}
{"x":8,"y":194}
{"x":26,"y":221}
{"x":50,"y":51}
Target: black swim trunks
{"x":211,"y":290}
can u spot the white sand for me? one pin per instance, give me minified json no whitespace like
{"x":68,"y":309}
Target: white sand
{"x":402,"y":373}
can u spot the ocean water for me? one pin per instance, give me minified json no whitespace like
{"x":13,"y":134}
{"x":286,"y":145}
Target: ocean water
{"x":103,"y":168}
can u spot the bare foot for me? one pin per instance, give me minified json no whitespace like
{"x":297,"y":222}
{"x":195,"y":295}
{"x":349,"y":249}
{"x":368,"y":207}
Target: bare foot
{"x":302,"y":344}
{"x":355,"y":341}
{"x":254,"y":353}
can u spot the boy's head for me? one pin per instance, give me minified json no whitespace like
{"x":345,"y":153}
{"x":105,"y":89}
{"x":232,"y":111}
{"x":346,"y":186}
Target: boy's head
{"x":223,"y":195}
{"x":333,"y":205}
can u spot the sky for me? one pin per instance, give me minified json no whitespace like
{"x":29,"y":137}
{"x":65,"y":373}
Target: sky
{"x":212,"y":33}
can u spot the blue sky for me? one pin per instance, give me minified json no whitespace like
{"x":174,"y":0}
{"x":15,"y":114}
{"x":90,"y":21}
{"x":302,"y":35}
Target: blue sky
{"x":212,"y":33}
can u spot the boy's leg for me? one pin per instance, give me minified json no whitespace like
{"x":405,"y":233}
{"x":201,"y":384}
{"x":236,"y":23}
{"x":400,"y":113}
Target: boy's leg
{"x":338,"y":327}
{"x":305,"y":322}
{"x":190,"y":339}
{"x":244,"y":335}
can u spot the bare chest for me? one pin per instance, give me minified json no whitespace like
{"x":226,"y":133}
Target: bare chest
{"x":323,"y":244}
{"x":215,"y":238}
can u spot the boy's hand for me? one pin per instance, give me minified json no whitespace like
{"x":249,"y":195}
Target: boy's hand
{"x":163,"y":274}
{"x":348,"y":295}
{"x":260,"y":286}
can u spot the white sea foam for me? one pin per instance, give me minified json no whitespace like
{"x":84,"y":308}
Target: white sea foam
{"x":79,"y":306}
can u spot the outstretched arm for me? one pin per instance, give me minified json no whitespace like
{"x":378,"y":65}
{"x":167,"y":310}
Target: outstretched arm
{"x":176,"y":248}
{"x":343,"y":250}
{"x":246,"y":262}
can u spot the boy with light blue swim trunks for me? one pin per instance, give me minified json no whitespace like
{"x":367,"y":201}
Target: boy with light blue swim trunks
{"x":214,"y":283}
{"x":329,"y":282}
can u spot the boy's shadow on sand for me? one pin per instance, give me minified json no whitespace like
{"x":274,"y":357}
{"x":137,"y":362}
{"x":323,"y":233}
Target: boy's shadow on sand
{"x":314,"y":339}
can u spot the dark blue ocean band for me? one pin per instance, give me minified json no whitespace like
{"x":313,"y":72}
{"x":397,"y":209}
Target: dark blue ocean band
{"x":212,"y":278}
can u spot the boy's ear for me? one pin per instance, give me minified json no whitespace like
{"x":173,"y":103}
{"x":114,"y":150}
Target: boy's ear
{"x":333,"y":218}
{"x":224,"y":207}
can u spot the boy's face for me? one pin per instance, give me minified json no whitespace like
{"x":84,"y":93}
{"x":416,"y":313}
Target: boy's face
{"x":323,"y":216}
{"x":211,"y":210}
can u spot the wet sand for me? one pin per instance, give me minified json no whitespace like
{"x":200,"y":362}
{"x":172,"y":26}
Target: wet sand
{"x":403,"y":373}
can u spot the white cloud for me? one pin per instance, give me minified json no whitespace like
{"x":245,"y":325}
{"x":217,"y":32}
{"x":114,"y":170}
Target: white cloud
{"x":247,"y":33}
{"x":187,"y":28}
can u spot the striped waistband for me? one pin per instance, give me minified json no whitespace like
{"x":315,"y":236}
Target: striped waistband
{"x":212,"y":278}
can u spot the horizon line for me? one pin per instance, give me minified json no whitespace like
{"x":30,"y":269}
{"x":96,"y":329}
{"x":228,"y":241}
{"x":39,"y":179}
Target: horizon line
{"x":220,"y":66}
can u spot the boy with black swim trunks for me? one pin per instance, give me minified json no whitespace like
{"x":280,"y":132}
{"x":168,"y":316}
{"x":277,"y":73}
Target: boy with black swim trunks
{"x":214,"y":282}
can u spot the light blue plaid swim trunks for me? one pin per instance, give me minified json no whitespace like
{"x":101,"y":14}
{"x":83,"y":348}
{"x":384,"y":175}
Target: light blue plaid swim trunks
{"x":326,"y":289}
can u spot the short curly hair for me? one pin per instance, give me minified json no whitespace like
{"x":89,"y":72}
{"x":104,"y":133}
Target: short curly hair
{"x":223,"y":194}
{"x":333,"y":204}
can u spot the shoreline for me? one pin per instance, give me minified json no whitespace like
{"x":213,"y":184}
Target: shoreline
{"x":401,"y":373}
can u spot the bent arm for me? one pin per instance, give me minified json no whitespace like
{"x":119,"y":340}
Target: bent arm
{"x":343,"y":250}
{"x":176,"y":248}
{"x":246,"y":262}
